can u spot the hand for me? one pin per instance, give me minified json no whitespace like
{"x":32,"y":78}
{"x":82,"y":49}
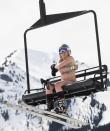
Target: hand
{"x":53,"y":70}
{"x":53,"y":66}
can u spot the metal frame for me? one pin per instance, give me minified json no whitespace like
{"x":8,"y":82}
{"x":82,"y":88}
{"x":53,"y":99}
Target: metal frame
{"x":54,"y":18}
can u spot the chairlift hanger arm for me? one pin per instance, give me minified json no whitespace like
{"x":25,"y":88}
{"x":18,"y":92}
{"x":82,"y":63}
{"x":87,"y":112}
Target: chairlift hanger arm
{"x":42,"y":9}
{"x":54,"y":18}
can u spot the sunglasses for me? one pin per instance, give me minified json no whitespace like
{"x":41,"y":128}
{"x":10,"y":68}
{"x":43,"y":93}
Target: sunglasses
{"x":62,"y":50}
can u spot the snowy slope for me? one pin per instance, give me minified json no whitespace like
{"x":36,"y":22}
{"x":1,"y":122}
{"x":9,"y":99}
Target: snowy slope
{"x":95,"y":108}
{"x":13,"y":85}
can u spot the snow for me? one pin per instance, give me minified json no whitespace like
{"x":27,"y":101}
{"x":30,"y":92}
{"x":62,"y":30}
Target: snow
{"x":95,"y":108}
{"x":104,"y":99}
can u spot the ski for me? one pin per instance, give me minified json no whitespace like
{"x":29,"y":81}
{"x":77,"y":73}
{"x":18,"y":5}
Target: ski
{"x":51,"y":116}
{"x":61,"y":116}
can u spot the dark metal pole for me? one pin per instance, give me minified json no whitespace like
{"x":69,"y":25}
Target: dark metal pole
{"x":98,"y":46}
{"x":42,"y":10}
{"x":26,"y":61}
{"x":97,"y":41}
{"x":26,"y":58}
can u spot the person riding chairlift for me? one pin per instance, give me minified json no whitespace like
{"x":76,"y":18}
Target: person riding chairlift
{"x":66,"y":67}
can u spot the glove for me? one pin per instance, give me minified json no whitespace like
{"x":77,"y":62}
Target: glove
{"x":53,"y":70}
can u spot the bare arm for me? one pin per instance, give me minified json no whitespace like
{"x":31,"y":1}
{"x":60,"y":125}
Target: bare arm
{"x":65,"y":62}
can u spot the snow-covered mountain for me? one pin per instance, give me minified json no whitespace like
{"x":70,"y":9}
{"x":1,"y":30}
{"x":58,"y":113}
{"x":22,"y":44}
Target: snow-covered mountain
{"x":95,"y":108}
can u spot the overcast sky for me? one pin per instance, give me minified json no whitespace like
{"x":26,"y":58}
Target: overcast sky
{"x":17,"y":15}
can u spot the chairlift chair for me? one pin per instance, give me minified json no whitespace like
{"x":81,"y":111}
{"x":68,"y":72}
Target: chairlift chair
{"x":97,"y":75}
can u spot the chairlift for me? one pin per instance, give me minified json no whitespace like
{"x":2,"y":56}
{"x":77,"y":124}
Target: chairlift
{"x":97,"y":80}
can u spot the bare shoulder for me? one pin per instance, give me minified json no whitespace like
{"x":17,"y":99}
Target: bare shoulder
{"x":71,"y":58}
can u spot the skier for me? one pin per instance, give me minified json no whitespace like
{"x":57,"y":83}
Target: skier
{"x":66,"y":67}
